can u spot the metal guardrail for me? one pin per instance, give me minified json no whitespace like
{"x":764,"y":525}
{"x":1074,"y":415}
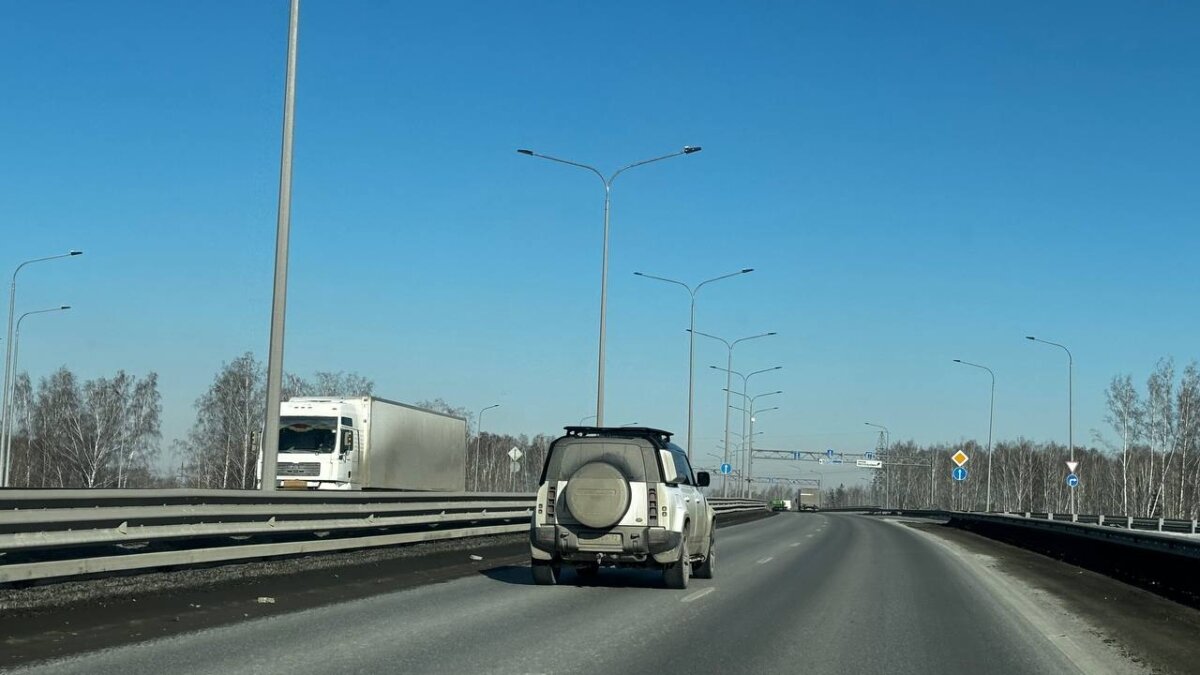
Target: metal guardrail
{"x":1165,"y":525}
{"x":57,"y":533}
{"x":720,"y":506}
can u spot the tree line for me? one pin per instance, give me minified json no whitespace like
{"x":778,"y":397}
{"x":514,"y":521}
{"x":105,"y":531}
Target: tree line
{"x":105,"y":432}
{"x":92,"y":433}
{"x":1152,"y":469}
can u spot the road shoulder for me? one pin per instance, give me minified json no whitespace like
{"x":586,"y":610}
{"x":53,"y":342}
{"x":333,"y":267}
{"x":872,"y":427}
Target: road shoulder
{"x":1086,"y":614}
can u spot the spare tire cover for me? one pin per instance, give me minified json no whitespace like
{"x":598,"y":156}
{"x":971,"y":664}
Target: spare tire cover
{"x":598,"y":495}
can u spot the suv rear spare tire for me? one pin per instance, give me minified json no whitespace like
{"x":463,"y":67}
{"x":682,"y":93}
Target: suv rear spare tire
{"x":598,"y":495}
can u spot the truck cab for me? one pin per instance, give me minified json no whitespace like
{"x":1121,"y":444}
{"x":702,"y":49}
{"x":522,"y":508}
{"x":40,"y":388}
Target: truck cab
{"x":319,"y":443}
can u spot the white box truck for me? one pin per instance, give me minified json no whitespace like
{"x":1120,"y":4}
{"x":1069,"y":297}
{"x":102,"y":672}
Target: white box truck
{"x":368,"y":443}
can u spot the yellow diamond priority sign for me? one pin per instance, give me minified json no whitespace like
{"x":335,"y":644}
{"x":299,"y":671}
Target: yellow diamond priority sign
{"x":960,"y":458}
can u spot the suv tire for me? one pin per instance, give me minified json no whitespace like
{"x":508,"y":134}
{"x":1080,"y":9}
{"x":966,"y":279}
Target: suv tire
{"x":598,"y":495}
{"x":676,"y":574}
{"x":545,"y":573}
{"x":705,"y":569}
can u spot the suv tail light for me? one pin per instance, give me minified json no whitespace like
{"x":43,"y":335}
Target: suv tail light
{"x":652,"y":504}
{"x":551,"y":489}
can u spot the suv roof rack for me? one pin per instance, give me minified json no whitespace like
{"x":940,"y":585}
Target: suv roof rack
{"x":659,"y":435}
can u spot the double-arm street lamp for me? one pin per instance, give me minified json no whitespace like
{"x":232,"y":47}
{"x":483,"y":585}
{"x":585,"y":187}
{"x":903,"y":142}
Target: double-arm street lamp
{"x":692,"y":337}
{"x":729,"y":372}
{"x":608,"y":183}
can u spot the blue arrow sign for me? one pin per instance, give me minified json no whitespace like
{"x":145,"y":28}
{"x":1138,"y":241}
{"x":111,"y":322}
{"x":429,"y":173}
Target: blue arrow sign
{"x":959,"y":473}
{"x":829,"y":453}
{"x":796,"y":455}
{"x":868,"y":455}
{"x":1072,"y":480}
{"x":726,"y":469}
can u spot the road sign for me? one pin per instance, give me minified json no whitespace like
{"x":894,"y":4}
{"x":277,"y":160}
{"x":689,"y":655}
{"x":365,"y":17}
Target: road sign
{"x":959,"y":473}
{"x":836,"y":460}
{"x":1071,"y":466}
{"x":726,"y":469}
{"x":822,"y":460}
{"x":796,"y":455}
{"x":514,"y":467}
{"x":515,"y":455}
{"x":960,"y":458}
{"x":1072,"y":480}
{"x":869,"y":464}
{"x":868,"y":455}
{"x":829,"y":453}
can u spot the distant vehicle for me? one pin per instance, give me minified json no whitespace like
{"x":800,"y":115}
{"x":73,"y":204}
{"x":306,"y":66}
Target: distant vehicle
{"x":781,"y":505}
{"x":368,"y":443}
{"x":621,"y":497}
{"x":810,"y":501}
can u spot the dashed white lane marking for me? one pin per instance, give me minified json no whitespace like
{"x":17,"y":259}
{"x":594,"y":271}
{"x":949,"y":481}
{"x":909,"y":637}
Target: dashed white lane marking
{"x":698,"y":594}
{"x":808,"y":536}
{"x":766,"y":560}
{"x":794,"y":544}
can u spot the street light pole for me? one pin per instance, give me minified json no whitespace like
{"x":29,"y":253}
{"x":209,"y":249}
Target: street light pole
{"x":748,"y":439}
{"x":887,"y":472}
{"x":6,"y":395}
{"x":283,"y":224}
{"x":692,"y":338}
{"x":608,"y":183}
{"x":729,"y":385}
{"x":479,"y":440}
{"x":991,"y":418}
{"x":729,"y":390}
{"x":1070,"y":403}
{"x":6,"y":468}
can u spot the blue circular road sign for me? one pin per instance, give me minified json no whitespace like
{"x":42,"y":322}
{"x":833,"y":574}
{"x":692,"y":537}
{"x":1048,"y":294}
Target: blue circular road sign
{"x":726,"y":469}
{"x":829,"y":453}
{"x":959,"y":473}
{"x":1072,"y":480}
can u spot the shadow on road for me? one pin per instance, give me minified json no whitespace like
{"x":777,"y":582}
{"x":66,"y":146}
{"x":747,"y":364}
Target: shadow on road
{"x":519,"y":575}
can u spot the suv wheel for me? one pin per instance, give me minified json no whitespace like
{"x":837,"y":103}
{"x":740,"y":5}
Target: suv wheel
{"x":705,"y":569}
{"x":545,"y":573}
{"x":676,"y":575}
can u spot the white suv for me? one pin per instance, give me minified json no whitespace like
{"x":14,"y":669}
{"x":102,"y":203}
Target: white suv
{"x":621,"y":497}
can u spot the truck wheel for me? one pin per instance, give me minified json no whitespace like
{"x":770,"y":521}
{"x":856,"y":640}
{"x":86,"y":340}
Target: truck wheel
{"x":676,"y":574}
{"x":545,"y":573}
{"x":705,"y":569}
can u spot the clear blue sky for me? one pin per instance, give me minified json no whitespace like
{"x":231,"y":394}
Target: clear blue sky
{"x":914,"y":182}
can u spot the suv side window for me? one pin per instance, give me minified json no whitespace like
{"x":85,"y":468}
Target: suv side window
{"x":682,"y":470}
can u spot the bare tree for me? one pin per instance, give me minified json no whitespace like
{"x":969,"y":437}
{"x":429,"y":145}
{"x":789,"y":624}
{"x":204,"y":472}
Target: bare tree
{"x":1125,"y":415}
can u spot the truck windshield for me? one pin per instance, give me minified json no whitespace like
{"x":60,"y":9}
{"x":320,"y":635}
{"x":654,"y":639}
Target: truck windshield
{"x":307,"y":434}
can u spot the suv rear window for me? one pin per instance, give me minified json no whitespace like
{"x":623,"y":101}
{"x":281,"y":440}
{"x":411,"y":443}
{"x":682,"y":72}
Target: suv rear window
{"x":635,"y":459}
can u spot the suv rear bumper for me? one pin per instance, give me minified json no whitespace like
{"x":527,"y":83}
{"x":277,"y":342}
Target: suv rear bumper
{"x":623,"y":544}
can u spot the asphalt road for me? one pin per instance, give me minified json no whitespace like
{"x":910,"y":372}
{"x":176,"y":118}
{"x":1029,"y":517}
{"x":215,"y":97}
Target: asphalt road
{"x":812,"y":593}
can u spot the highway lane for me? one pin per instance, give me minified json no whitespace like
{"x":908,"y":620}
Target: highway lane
{"x":818,"y":593}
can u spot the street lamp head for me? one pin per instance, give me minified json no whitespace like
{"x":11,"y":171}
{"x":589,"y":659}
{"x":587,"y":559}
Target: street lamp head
{"x":748,"y":270}
{"x":958,"y":360}
{"x":639,"y":274}
{"x":689,"y":149}
{"x":523,"y":151}
{"x":772,"y":333}
{"x":74,"y":252}
{"x":65,"y":307}
{"x":1030,"y":337}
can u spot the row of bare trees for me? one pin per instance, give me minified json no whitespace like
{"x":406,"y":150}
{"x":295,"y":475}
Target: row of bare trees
{"x":90,"y":434}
